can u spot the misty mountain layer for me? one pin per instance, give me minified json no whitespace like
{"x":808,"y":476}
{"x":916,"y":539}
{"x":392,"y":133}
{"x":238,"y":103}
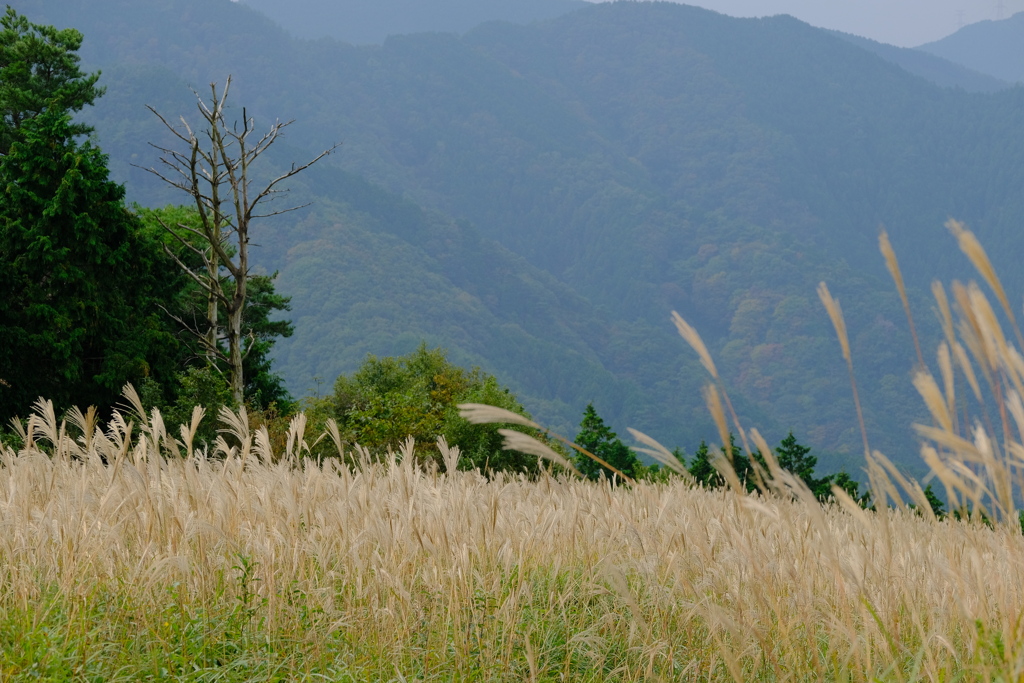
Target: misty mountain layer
{"x":929,"y":66}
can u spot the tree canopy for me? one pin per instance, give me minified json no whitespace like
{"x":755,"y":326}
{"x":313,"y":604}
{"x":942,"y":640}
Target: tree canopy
{"x":80,"y":277}
{"x":388,"y":399}
{"x":597,"y":438}
{"x":39,"y":72}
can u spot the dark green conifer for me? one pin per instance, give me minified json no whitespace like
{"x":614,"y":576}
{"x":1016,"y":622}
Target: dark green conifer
{"x":39,"y":72}
{"x":599,"y":439}
{"x":80,"y":278}
{"x":701,"y":469}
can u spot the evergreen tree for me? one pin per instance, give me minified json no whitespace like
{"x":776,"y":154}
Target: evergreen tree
{"x":39,"y":72}
{"x":79,"y":276}
{"x":705,"y":473}
{"x":741,"y":464}
{"x":596,"y":437}
{"x":797,"y":459}
{"x":934,"y":502}
{"x":701,"y":469}
{"x":263,"y":387}
{"x":848,"y":484}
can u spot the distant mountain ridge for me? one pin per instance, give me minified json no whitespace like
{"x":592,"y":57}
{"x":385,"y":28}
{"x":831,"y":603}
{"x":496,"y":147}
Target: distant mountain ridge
{"x":538,"y":198}
{"x":990,"y":47}
{"x":936,"y":69}
{"x":371,"y":21}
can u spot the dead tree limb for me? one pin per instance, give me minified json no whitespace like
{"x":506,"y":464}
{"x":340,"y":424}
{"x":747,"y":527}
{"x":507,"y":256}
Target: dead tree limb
{"x":212,"y":164}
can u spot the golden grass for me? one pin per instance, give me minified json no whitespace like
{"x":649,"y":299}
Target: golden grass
{"x":452,"y":576}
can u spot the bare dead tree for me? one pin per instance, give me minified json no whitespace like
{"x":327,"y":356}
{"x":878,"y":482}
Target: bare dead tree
{"x":213,"y":167}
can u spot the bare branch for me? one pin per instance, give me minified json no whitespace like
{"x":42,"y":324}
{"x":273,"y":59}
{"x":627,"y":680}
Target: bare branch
{"x":185,"y":243}
{"x":199,"y":279}
{"x":249,"y":347}
{"x":210,"y":349}
{"x":170,"y":127}
{"x":281,"y":211}
{"x":269,"y":189}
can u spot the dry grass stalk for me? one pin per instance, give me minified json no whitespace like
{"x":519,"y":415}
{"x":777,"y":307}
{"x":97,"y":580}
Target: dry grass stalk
{"x":970,"y":245}
{"x":983,"y":474}
{"x":449,"y":455}
{"x":693,"y":338}
{"x":690,"y":335}
{"x":945,"y":362}
{"x":933,"y":398}
{"x":524,"y":443}
{"x":661,"y":454}
{"x":714,"y":404}
{"x":835,"y":313}
{"x":885,"y":246}
{"x":478,"y":413}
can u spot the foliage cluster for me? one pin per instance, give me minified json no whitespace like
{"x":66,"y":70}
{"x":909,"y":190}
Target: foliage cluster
{"x":81,"y":278}
{"x":39,"y":72}
{"x":390,"y":399}
{"x":597,"y":439}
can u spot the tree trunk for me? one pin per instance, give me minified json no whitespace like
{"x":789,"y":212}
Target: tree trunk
{"x":236,"y":308}
{"x":212,"y":315}
{"x":235,"y":356}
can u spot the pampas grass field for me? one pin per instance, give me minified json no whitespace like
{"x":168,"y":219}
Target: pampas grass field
{"x":127,"y":554}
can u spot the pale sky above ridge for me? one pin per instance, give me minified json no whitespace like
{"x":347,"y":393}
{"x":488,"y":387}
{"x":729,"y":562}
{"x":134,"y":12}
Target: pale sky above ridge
{"x":907,"y":23}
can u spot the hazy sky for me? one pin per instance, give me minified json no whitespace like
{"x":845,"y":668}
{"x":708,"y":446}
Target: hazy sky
{"x":907,"y":23}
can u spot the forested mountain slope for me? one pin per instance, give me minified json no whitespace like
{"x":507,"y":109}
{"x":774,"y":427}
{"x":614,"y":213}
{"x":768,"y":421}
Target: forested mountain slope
{"x":544,"y":195}
{"x":991,"y":47}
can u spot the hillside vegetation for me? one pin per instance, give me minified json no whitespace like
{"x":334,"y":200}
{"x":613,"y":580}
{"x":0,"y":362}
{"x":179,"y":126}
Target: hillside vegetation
{"x":537,"y":199}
